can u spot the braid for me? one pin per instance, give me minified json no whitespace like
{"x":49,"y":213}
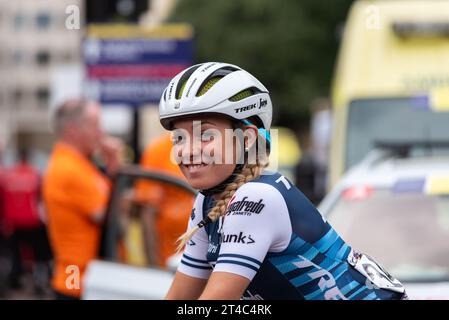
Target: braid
{"x":249,"y":172}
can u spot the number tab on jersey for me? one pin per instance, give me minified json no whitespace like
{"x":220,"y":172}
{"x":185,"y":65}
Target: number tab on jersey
{"x":378,"y":276}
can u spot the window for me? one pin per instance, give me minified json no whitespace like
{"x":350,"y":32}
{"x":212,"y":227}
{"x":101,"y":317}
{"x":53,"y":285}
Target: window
{"x":391,"y":119}
{"x":67,"y":57}
{"x":412,"y":225}
{"x":19,"y":21}
{"x":42,"y":95}
{"x":43,"y":57}
{"x":18,"y":57}
{"x":43,"y":20}
{"x":17,"y":95}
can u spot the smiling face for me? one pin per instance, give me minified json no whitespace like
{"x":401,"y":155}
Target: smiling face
{"x":200,"y":147}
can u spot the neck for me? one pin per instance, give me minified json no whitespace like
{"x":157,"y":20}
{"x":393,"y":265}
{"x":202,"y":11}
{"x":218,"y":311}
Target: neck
{"x":218,"y":191}
{"x":218,"y":196}
{"x":75,"y":145}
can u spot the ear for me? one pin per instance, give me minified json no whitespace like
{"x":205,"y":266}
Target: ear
{"x":251,"y":133}
{"x":69,"y":129}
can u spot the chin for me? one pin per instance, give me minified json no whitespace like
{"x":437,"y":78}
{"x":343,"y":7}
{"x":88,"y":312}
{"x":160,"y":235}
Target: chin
{"x":199,"y":180}
{"x":200,"y":183}
{"x":200,"y":186}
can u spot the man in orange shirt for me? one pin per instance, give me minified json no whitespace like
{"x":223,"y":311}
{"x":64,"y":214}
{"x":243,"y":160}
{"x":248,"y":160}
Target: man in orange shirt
{"x":75,"y":192}
{"x":173,"y":205}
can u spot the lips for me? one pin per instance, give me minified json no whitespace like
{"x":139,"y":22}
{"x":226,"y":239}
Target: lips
{"x":193,"y":168}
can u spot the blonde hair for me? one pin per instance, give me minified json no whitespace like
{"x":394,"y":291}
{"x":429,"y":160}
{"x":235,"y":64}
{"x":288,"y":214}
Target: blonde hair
{"x":248,"y":173}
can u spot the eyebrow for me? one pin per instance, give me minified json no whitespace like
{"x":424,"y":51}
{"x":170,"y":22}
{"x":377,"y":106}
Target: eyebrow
{"x":202,"y":123}
{"x":207,"y":122}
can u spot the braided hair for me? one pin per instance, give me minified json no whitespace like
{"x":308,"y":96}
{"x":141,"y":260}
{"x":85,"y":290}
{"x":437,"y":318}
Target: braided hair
{"x":249,"y":172}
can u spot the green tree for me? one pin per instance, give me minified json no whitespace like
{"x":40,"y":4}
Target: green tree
{"x":290,"y":45}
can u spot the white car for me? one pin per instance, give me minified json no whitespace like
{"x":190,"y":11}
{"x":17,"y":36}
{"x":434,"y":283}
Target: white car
{"x":395,"y":208}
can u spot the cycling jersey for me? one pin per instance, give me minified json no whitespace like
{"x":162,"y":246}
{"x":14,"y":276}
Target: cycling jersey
{"x":272,"y":235}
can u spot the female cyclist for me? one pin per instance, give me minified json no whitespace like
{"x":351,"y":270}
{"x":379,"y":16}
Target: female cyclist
{"x":252,"y":234}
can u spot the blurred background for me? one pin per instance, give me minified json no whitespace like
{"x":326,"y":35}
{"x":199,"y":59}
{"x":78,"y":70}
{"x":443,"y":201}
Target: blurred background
{"x":292,"y":48}
{"x":361,"y":104}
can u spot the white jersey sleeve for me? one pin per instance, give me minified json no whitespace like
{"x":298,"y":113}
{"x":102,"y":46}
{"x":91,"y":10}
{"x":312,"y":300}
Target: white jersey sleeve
{"x":194,"y":262}
{"x":256,"y":222}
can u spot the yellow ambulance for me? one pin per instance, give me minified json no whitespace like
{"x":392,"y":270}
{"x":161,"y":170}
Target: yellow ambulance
{"x":391,"y":80}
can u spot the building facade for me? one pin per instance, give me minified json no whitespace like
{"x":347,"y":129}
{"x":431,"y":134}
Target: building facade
{"x":34,"y":38}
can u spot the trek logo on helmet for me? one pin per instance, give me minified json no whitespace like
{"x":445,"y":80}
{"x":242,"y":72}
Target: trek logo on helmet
{"x":246,"y":108}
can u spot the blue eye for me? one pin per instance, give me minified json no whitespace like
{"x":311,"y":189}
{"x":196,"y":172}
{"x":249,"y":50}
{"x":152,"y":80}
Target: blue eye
{"x":177,"y":139}
{"x":207,"y":136}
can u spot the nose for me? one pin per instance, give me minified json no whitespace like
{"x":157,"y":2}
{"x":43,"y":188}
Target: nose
{"x":190,"y":151}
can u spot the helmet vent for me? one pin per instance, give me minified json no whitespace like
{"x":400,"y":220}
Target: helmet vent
{"x":244,"y":94}
{"x":213,"y":79}
{"x":207,"y":85}
{"x":182,"y":82}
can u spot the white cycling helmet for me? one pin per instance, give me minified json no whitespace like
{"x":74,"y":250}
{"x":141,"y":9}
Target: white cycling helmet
{"x":215,"y":87}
